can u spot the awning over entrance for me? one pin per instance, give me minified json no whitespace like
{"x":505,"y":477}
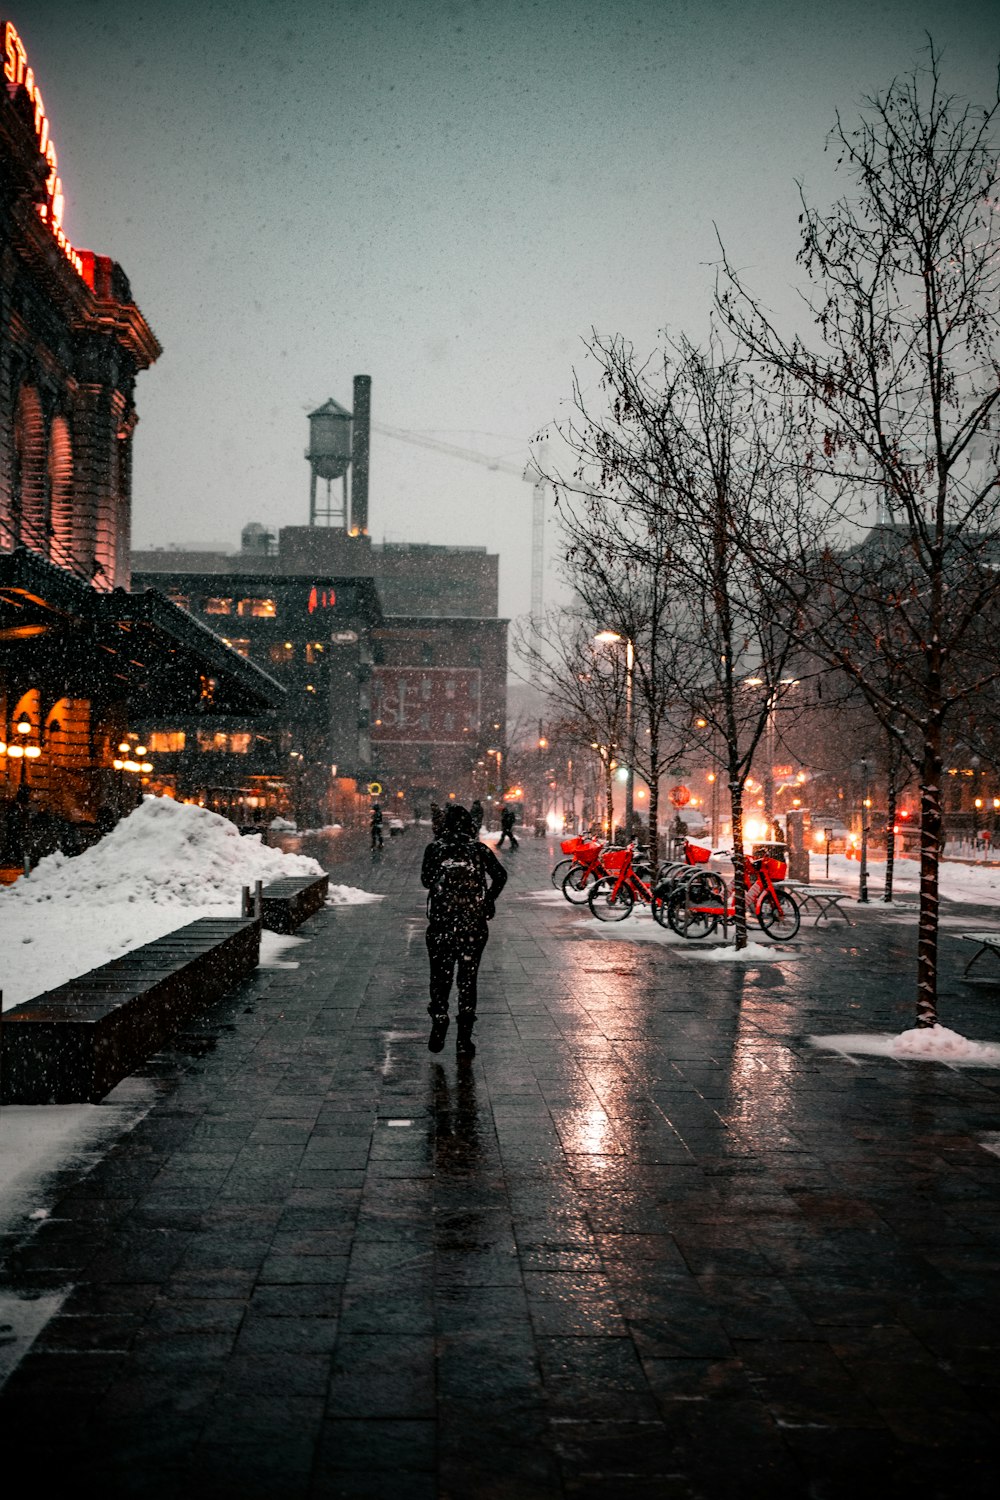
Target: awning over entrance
{"x":138,"y":648}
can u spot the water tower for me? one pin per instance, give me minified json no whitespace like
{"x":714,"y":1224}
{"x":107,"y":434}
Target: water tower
{"x":339,"y":440}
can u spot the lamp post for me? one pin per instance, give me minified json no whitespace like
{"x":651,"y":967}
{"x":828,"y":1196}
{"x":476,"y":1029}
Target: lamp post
{"x":865,"y":804}
{"x":609,"y":637}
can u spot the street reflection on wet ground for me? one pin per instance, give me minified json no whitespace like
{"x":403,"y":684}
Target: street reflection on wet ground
{"x":650,"y":1242}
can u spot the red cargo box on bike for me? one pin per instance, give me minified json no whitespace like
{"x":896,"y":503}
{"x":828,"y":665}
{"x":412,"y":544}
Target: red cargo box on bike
{"x":616,"y":859}
{"x":695,"y":854}
{"x":572,"y":846}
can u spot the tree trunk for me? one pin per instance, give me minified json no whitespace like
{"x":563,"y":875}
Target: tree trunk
{"x":654,"y":805}
{"x":890,"y":839}
{"x":739,"y":870}
{"x":610,"y":799}
{"x":930,"y":856}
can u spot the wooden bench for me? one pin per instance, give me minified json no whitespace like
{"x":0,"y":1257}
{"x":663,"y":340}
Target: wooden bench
{"x":822,"y":899}
{"x":74,"y":1043}
{"x":286,"y":903}
{"x":989,"y":942}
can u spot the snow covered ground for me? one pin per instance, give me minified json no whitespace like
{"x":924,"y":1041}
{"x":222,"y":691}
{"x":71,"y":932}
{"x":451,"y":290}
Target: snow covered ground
{"x":163,"y":866}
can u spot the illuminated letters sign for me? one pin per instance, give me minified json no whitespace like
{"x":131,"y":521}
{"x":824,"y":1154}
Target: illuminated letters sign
{"x":321,"y":599}
{"x":20,"y":76}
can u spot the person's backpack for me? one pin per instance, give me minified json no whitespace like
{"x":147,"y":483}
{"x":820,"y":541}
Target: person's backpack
{"x":458,"y":896}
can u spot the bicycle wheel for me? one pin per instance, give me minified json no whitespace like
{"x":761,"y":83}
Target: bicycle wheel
{"x":578,"y":884}
{"x":688,"y":920}
{"x":779,"y":921}
{"x":560,"y":871}
{"x":606,"y":906}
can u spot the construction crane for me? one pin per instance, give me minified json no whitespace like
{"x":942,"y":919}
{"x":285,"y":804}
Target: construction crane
{"x":532,"y":473}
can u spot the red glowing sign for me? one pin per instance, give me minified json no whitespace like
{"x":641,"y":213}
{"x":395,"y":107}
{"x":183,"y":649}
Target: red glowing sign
{"x":426,"y":705}
{"x":20,"y":76}
{"x":680,"y":796}
{"x":321,"y":599}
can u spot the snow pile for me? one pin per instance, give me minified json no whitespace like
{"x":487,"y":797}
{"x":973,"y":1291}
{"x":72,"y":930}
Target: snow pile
{"x":167,"y":852}
{"x":923,"y":1043}
{"x":942,"y":1045}
{"x":349,"y":895}
{"x":163,"y":866}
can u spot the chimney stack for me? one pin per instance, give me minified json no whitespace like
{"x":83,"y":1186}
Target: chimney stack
{"x":360,"y":446}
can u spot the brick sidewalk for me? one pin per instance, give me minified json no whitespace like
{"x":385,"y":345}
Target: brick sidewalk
{"x":650,"y":1243}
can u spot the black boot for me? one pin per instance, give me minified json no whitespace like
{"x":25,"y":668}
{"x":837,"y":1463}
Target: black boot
{"x":464,"y":1045}
{"x":439,"y":1030}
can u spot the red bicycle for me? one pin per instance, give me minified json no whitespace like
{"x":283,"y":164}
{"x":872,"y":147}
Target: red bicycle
{"x":696,"y":908}
{"x":588,"y":867}
{"x":614,"y":893}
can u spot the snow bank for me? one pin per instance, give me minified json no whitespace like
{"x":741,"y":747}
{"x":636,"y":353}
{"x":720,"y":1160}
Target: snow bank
{"x":166,"y":852}
{"x":163,"y":866}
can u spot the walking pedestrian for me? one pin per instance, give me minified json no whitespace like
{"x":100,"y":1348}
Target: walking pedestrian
{"x":507,"y":828}
{"x":476,"y":811}
{"x":376,"y":827}
{"x":463,"y":878}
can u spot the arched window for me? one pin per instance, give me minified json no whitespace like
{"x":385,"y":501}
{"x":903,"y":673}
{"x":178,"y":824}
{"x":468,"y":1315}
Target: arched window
{"x":30,"y":520}
{"x":61,"y":491}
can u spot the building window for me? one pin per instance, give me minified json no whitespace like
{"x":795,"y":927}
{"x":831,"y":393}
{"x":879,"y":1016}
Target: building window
{"x":239,"y":644}
{"x":257,"y":609}
{"x":314,"y":652}
{"x":427,"y":653}
{"x":281,"y":652}
{"x":183,"y":601}
{"x":217,"y":606}
{"x":166,"y":741}
{"x":211,"y":740}
{"x":239,"y":744}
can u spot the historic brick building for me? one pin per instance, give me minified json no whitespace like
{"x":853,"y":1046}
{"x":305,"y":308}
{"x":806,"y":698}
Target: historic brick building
{"x":79,"y":657}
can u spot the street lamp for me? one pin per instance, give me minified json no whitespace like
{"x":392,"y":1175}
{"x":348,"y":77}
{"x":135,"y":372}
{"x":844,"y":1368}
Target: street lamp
{"x":611,"y":637}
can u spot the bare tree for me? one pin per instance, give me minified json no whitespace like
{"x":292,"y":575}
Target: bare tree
{"x":618,"y":560}
{"x":585,"y":686}
{"x":896,"y":400}
{"x":689,"y":453}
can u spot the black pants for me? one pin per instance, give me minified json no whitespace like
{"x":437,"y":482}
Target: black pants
{"x":446,"y":949}
{"x":508,"y":833}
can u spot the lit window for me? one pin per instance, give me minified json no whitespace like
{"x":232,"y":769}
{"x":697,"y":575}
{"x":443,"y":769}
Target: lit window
{"x":313,"y":652}
{"x":166,"y":741}
{"x":210,"y":740}
{"x":259,"y":609}
{"x":281,"y":651}
{"x":240,"y":645}
{"x":217,"y":606}
{"x":183,"y":601}
{"x":239,"y":744}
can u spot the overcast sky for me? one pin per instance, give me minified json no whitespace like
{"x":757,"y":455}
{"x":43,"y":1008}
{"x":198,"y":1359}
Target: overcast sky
{"x":445,"y":195}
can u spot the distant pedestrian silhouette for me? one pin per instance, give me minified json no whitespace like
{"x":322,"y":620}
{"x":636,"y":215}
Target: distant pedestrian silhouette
{"x":507,"y":828}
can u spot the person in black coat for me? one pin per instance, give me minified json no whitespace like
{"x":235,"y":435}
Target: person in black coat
{"x":507,"y":820}
{"x":463,"y":878}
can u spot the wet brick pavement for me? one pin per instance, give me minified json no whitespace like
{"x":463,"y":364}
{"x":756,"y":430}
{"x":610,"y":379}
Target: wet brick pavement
{"x":651,"y":1243}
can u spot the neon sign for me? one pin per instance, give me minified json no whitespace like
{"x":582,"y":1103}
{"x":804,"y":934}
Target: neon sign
{"x":19,"y":75}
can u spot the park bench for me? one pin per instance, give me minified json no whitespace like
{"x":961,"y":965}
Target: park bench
{"x":286,"y":903}
{"x":820,"y":899}
{"x":74,"y":1043}
{"x":988,"y":942}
